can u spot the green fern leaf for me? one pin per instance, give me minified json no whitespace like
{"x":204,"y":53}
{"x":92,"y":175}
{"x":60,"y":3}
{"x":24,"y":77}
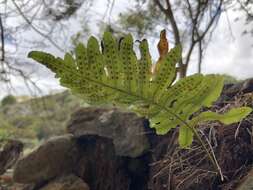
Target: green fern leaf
{"x":116,"y":76}
{"x":144,"y":70}
{"x":165,"y":72}
{"x":185,"y":98}
{"x":232,"y":116}
{"x":129,"y":61}
{"x":114,"y":66}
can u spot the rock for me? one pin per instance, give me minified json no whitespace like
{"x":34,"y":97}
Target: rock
{"x":102,"y":169}
{"x":246,"y":182}
{"x":241,"y":87}
{"x":247,"y":86}
{"x":19,"y":186}
{"x":125,"y":129}
{"x":69,"y":182}
{"x":54,"y":157}
{"x":10,"y":154}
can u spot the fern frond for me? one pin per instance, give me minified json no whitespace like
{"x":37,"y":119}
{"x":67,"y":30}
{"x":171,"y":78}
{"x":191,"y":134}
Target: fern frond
{"x":117,"y":76}
{"x":232,"y":116}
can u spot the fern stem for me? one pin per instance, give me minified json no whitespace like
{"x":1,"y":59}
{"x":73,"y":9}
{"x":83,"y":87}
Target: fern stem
{"x":211,"y":155}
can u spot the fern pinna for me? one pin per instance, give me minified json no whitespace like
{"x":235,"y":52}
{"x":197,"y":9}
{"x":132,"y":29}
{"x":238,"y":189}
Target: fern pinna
{"x":115,"y":75}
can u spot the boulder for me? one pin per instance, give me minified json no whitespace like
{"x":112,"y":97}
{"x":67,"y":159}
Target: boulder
{"x":102,"y":169}
{"x":126,"y":130}
{"x":68,"y":182}
{"x":53,"y":158}
{"x":10,"y":154}
{"x":247,"y":86}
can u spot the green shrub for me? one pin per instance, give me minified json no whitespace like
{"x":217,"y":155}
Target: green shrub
{"x":8,"y":100}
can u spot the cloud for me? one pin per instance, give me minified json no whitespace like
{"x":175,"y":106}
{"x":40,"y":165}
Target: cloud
{"x":233,"y":56}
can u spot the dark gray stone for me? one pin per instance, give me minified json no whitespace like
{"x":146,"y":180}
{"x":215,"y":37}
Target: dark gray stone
{"x":125,"y":129}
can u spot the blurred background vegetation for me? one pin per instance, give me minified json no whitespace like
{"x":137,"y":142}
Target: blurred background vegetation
{"x":32,"y":120}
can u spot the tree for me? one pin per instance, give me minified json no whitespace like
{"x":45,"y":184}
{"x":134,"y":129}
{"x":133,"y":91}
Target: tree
{"x":45,"y":20}
{"x":246,"y":6}
{"x":189,"y":22}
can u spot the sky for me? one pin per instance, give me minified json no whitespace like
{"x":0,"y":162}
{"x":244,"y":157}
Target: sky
{"x":228,"y":53}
